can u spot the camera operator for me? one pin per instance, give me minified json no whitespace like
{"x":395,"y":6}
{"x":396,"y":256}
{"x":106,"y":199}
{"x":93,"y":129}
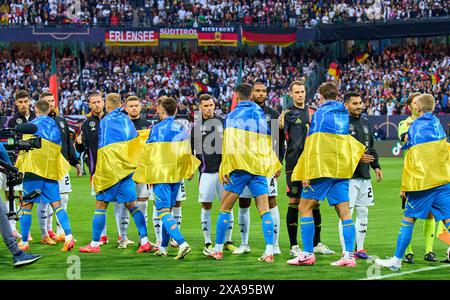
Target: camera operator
{"x":45,"y":212}
{"x":23,"y":115}
{"x":20,"y":258}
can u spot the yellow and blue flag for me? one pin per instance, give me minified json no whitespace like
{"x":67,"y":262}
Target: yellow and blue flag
{"x":427,"y":161}
{"x":118,"y":150}
{"x":329,"y":149}
{"x":247,"y":143}
{"x":167,"y":156}
{"x":47,"y":161}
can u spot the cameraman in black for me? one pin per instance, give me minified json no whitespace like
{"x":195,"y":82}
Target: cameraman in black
{"x":20,"y":257}
{"x":23,"y":115}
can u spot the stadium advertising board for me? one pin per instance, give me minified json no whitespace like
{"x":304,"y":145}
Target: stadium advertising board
{"x":218,"y":36}
{"x":52,"y":34}
{"x":178,"y":34}
{"x":131,"y":38}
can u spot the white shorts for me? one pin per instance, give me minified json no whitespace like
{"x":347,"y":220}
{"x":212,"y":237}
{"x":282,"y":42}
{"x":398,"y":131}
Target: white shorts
{"x":361,"y":193}
{"x":209,"y":187}
{"x":64,"y":185}
{"x":181,"y":196}
{"x":3,"y":182}
{"x":272,"y":186}
{"x":143,"y":190}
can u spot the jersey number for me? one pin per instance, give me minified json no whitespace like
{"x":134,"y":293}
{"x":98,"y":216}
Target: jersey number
{"x":272,"y":182}
{"x":369,"y":194}
{"x":67,"y":182}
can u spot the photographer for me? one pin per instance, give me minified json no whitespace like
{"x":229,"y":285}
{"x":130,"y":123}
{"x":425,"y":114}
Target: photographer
{"x":20,"y":258}
{"x":23,"y":115}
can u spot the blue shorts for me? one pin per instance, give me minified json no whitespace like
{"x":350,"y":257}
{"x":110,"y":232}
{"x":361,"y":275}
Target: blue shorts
{"x":165,"y":194}
{"x":336,"y":190}
{"x":124,"y":191}
{"x":435,"y":200}
{"x":49,"y":188}
{"x":257,"y":184}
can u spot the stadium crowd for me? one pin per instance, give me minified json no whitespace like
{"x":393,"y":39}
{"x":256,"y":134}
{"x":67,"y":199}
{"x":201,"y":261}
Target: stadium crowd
{"x":387,"y":79}
{"x":150,"y":74}
{"x":194,"y":13}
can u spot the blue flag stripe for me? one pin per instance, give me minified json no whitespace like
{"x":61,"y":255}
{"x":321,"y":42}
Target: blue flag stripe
{"x":331,"y":117}
{"x":116,"y":127}
{"x":424,"y":129}
{"x":248,"y":116}
{"x":48,"y":129}
{"x":168,"y":130}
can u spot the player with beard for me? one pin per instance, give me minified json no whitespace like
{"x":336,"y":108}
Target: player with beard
{"x":259,"y":96}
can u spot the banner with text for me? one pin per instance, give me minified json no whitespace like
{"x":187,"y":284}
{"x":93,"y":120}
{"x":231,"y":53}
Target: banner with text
{"x":131,"y":38}
{"x":178,"y":34}
{"x":218,"y":36}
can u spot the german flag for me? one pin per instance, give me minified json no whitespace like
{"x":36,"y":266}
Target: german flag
{"x":361,"y":58}
{"x":282,"y":37}
{"x":435,"y":78}
{"x":218,"y":36}
{"x":333,"y":70}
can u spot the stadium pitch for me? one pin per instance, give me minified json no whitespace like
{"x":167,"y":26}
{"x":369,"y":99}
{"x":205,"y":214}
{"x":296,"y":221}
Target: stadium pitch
{"x":113,"y":263}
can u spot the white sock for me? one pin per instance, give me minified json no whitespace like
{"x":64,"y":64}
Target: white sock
{"x":124,"y":221}
{"x":341,"y":232}
{"x":244,"y":224}
{"x":143,"y":208}
{"x":205,"y":218}
{"x":276,"y":224}
{"x":229,"y":232}
{"x":42,"y":217}
{"x":68,"y":237}
{"x":95,"y":244}
{"x":162,"y":249}
{"x":361,"y":226}
{"x":269,"y":250}
{"x":348,"y":255}
{"x":396,"y":261}
{"x":218,"y":248}
{"x":117,"y":212}
{"x":157,"y":225}
{"x":49,"y":217}
{"x":64,"y":202}
{"x":183,"y":245}
{"x":144,"y":240}
{"x":176,"y":212}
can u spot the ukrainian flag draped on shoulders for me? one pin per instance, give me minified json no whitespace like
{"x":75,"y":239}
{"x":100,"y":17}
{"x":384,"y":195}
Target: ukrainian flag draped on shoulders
{"x":118,"y":150}
{"x":167,"y":156}
{"x":427,"y":161}
{"x":247,"y":143}
{"x":47,"y":161}
{"x":329,"y":149}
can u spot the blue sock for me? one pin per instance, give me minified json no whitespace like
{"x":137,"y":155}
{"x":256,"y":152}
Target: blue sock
{"x":165,"y":237}
{"x":63,"y":219}
{"x":349,"y":233}
{"x":25,"y":224}
{"x":139,"y":220}
{"x":171,"y":226}
{"x":308,"y":229}
{"x":447,"y":226}
{"x":98,"y":224}
{"x":267,"y":226}
{"x":404,"y":238}
{"x":223,"y":222}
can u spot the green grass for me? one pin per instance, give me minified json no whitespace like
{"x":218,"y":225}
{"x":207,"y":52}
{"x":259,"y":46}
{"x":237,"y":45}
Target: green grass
{"x":113,"y":263}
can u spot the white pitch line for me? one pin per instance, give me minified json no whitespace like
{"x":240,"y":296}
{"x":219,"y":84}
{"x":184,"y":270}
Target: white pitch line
{"x":405,"y":273}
